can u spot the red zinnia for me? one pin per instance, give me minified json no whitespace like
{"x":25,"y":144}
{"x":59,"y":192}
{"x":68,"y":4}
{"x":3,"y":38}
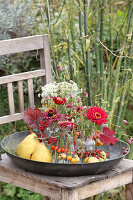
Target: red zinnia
{"x":98,"y":115}
{"x":59,"y":101}
{"x":108,"y":136}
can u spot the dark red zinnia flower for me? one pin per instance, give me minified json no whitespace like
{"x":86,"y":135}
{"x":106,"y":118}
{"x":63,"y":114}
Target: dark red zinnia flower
{"x":98,"y":115}
{"x":108,"y":136}
{"x":51,"y":111}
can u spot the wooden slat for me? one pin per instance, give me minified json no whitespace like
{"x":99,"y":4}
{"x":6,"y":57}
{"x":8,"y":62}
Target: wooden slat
{"x":42,"y":65}
{"x":30,"y":93}
{"x":10,"y":98}
{"x":22,"y":76}
{"x":21,"y":96}
{"x":45,"y":59}
{"x":11,"y":118}
{"x":105,"y":185}
{"x":21,"y":44}
{"x":26,"y":180}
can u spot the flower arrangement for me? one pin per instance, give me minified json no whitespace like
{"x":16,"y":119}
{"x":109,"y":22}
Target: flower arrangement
{"x":72,"y":131}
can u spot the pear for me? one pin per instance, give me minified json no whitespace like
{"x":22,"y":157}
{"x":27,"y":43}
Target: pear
{"x":103,"y":154}
{"x":42,"y":154}
{"x":90,"y":159}
{"x":100,"y":159}
{"x":27,"y":146}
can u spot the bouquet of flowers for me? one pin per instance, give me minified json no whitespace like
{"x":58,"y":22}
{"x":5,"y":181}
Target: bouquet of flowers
{"x":72,"y":131}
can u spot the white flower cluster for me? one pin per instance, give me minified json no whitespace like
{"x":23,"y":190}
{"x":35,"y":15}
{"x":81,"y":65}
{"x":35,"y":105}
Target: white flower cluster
{"x":67,"y":88}
{"x":62,"y":89}
{"x":49,"y":90}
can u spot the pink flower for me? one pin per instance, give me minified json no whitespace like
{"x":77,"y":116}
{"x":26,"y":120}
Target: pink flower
{"x":108,"y":136}
{"x":66,"y":98}
{"x":70,"y":95}
{"x":86,"y":95}
{"x":62,"y":117}
{"x":70,"y":105}
{"x":60,"y":68}
{"x":45,"y":115}
{"x":130,"y":142}
{"x":79,"y":108}
{"x":125,"y":122}
{"x":55,"y":117}
{"x":79,"y":99}
{"x":64,"y":124}
{"x":48,"y":98}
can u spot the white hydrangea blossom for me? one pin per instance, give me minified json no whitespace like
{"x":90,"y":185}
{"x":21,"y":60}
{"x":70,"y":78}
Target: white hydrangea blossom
{"x":62,"y":89}
{"x":66,"y":88}
{"x":49,"y":90}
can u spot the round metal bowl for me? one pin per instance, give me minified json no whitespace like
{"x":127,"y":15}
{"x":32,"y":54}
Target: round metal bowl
{"x":9,"y":144}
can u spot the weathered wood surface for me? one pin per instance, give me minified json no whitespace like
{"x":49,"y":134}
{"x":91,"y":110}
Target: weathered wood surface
{"x":11,"y":118}
{"x":21,"y":44}
{"x":70,"y":195}
{"x":45,"y":59}
{"x":68,"y":182}
{"x":22,"y":76}
{"x":30,"y":93}
{"x":66,"y":188}
{"x":129,"y":191}
{"x":21,"y":96}
{"x":10,"y":98}
{"x":19,"y":79}
{"x":105,"y":185}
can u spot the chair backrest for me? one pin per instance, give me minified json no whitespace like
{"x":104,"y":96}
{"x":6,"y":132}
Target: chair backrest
{"x":38,"y":42}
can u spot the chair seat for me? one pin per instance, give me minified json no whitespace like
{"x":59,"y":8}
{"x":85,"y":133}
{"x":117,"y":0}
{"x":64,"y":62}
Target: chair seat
{"x":53,"y":186}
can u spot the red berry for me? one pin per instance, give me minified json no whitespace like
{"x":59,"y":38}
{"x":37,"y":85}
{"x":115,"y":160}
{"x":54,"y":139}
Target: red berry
{"x":62,"y":150}
{"x":94,"y":138}
{"x":56,"y":148}
{"x":59,"y":150}
{"x":53,"y":147}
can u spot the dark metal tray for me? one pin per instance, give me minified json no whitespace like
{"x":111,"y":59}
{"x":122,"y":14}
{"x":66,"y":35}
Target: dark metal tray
{"x":9,"y":144}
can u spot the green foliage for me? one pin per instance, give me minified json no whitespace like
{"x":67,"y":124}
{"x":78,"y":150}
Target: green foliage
{"x":96,"y":54}
{"x":93,"y":45}
{"x":130,"y":155}
{"x":14,"y":21}
{"x":14,"y":193}
{"x":115,"y":194}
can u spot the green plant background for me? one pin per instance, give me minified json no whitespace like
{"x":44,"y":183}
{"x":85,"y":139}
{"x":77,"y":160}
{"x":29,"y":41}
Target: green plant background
{"x":79,"y":33}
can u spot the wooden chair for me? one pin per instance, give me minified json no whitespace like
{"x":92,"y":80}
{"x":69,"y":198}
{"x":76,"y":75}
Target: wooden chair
{"x":54,"y":188}
{"x":39,"y":42}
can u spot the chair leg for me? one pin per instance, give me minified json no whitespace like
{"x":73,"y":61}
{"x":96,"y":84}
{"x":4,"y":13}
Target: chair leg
{"x":129,"y":191}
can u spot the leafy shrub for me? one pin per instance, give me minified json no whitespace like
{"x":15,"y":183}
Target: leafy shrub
{"x":14,"y":193}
